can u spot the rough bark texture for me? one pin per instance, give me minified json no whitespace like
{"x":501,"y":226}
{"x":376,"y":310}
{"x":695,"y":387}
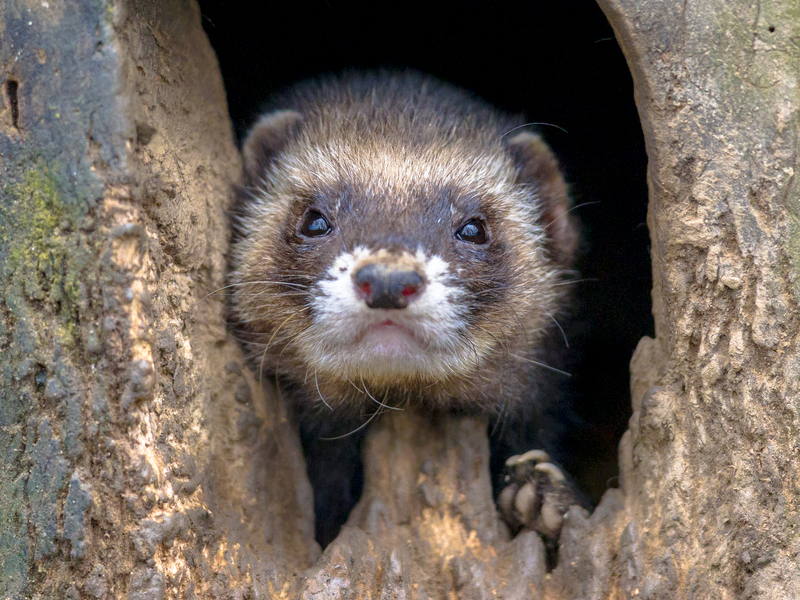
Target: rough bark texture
{"x":141,"y":458}
{"x":711,"y":462}
{"x":144,"y":460}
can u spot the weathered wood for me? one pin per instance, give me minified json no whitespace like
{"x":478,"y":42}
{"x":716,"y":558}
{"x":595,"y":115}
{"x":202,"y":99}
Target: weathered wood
{"x":144,"y":460}
{"x":711,"y":462}
{"x":426,"y":526}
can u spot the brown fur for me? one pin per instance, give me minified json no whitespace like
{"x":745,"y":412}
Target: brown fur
{"x":398,"y":162}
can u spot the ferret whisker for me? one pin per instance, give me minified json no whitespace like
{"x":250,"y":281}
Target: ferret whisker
{"x":356,"y":430}
{"x":268,"y":282}
{"x":503,"y":416}
{"x":503,"y":345}
{"x":272,"y":294}
{"x":499,"y":420}
{"x":271,"y":305}
{"x":510,"y":309}
{"x":280,"y":355}
{"x":316,"y":382}
{"x":245,"y":340}
{"x":257,"y":282}
{"x":286,"y":320}
{"x":350,"y":381}
{"x":474,"y":349}
{"x":566,"y":212}
{"x":378,"y":402}
{"x":293,"y":275}
{"x":541,"y":364}
{"x":574,"y":281}
{"x":561,"y":329}
{"x":266,"y":348}
{"x":533,"y":124}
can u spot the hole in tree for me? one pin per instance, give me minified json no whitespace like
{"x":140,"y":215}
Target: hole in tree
{"x":12,"y":87}
{"x":514,"y":56}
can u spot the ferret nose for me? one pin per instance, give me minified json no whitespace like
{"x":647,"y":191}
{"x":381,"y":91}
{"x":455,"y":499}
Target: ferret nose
{"x":386,"y":287}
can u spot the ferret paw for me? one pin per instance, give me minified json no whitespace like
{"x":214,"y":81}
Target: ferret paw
{"x":536,"y":495}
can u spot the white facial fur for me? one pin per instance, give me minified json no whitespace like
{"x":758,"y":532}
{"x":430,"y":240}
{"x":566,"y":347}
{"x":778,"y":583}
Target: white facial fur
{"x":427,"y":342}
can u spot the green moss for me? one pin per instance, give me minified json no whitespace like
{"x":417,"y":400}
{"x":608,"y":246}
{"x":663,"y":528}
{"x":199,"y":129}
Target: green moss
{"x":32,"y":212}
{"x":38,"y":228}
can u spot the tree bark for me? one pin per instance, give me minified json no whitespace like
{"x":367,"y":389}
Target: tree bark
{"x":143,"y":458}
{"x":146,"y":461}
{"x":710,"y":463}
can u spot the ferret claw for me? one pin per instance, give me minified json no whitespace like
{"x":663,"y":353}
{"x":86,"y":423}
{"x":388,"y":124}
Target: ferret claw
{"x":537,"y":495}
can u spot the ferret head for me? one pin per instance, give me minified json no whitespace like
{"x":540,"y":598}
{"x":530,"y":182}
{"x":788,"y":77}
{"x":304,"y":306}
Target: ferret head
{"x":392,"y":243}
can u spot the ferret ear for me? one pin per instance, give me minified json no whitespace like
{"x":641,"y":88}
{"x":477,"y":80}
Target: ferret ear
{"x":538,"y":167}
{"x":265,"y":140}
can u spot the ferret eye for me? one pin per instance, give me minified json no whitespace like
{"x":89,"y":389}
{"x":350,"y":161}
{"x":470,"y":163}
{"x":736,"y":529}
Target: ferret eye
{"x":315,"y":224}
{"x":473,"y":231}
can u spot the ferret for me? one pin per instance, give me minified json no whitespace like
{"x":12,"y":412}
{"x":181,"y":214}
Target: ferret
{"x":397,"y":243}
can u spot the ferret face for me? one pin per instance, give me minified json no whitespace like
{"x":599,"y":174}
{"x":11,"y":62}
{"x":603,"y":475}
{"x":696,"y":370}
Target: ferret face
{"x":376,"y":257}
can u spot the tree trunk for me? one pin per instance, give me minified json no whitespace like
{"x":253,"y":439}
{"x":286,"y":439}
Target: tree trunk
{"x":711,"y":462}
{"x":145,"y":461}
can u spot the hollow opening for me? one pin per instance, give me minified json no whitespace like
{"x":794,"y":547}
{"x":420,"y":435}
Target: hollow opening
{"x":12,"y":88}
{"x":558,"y":64}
